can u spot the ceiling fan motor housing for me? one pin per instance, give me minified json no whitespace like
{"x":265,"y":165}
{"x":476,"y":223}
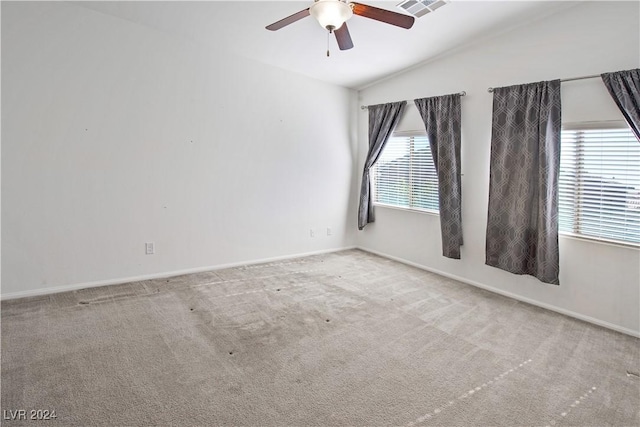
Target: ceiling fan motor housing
{"x":331,"y":14}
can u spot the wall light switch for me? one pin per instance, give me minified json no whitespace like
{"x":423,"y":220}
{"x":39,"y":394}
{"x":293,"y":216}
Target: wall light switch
{"x":149,"y":248}
{"x":312,"y":233}
{"x":329,"y":231}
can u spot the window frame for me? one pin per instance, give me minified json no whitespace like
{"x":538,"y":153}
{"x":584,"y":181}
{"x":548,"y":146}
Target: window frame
{"x":575,"y":234}
{"x":374,"y":184}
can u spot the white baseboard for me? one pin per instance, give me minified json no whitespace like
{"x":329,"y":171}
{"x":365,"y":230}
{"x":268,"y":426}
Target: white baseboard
{"x":550,"y":307}
{"x":121,"y":280}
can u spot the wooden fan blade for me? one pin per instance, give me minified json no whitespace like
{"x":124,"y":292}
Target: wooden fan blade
{"x":382,"y":15}
{"x":288,"y":20}
{"x":343,"y":37}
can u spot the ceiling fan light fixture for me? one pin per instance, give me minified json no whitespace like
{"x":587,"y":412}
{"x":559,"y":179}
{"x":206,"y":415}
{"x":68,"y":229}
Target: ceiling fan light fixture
{"x":331,"y":14}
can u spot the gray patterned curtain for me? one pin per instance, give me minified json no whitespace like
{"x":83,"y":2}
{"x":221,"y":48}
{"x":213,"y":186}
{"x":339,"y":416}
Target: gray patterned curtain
{"x":441,"y":117}
{"x":624,"y":87}
{"x":383,"y":119}
{"x":522,"y":227}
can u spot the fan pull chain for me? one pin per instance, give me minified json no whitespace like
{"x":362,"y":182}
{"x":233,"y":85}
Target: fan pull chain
{"x":328,"y":36}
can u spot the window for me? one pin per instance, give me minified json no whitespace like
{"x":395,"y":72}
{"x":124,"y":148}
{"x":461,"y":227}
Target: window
{"x":404,"y":175}
{"x":599,"y":189}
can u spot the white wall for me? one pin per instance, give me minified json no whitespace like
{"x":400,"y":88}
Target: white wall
{"x":598,"y":282}
{"x":114,"y":135}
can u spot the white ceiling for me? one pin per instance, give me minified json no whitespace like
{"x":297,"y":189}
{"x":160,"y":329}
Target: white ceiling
{"x":380,"y":49}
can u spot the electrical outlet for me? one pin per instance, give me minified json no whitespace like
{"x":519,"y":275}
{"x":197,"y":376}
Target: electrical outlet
{"x":149,"y":248}
{"x":312,"y":233}
{"x":329,"y":231}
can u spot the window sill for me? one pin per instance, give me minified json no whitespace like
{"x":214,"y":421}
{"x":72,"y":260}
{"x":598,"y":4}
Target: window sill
{"x":614,"y":243}
{"x":413,"y":210}
{"x":561,"y":234}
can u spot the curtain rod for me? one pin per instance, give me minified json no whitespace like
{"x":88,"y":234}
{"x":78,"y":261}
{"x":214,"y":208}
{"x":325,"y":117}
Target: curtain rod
{"x":565,"y":80}
{"x":364,"y":107}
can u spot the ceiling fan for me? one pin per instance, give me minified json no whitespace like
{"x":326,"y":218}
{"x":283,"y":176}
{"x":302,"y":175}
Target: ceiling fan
{"x":333,"y":14}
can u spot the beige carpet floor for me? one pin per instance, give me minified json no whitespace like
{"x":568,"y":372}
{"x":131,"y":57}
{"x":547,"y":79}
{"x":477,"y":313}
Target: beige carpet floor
{"x":342,"y":339}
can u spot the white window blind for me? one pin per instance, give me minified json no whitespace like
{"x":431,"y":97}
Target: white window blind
{"x":404,"y":175}
{"x":599,"y":188}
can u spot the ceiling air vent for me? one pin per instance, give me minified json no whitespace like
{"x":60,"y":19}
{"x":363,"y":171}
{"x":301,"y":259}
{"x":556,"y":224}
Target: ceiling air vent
{"x":420,"y":8}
